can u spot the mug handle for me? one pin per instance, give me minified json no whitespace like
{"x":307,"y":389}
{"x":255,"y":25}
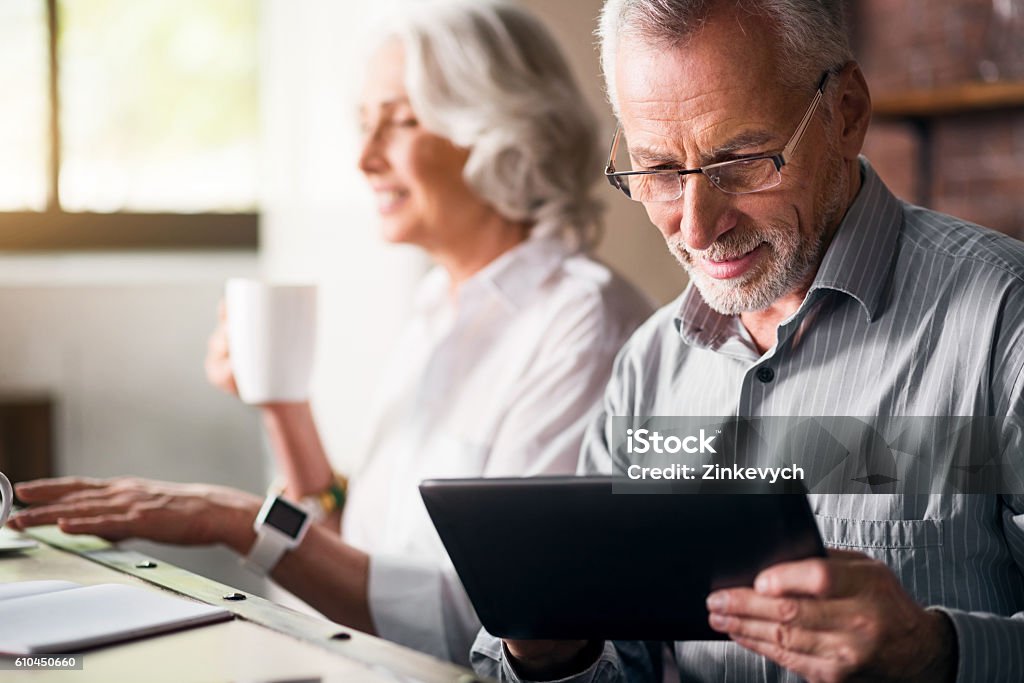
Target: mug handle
{"x":7,"y":494}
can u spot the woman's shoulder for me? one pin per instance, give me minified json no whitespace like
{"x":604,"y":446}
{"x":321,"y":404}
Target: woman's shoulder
{"x":589,"y":275}
{"x":585,"y":287}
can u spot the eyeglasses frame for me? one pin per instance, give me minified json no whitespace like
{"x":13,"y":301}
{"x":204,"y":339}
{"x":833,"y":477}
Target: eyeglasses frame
{"x":614,"y":177}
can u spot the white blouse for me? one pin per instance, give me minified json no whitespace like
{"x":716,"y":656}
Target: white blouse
{"x":500,"y":383}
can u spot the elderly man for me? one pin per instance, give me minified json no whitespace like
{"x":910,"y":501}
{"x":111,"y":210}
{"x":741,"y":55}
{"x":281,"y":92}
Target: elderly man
{"x":814,"y":292}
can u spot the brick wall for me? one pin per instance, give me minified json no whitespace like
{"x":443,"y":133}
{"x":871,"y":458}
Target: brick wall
{"x":977,"y":169}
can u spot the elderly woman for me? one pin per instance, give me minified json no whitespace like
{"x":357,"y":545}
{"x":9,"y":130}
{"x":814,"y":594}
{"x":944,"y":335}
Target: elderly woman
{"x":481,"y":151}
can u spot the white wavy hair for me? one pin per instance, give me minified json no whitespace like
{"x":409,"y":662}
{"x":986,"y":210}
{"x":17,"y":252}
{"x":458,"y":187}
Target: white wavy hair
{"x":812,"y":34}
{"x":489,"y":76}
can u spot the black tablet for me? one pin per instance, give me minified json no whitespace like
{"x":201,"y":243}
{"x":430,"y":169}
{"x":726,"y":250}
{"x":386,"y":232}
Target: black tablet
{"x":566,"y":558}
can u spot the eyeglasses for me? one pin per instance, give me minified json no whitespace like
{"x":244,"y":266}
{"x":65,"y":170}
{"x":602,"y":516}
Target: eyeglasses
{"x":738,"y":176}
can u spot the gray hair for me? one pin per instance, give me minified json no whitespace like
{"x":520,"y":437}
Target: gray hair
{"x":490,"y":77}
{"x":812,"y":33}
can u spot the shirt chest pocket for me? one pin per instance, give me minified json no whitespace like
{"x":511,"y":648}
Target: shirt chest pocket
{"x":880,"y":535}
{"x":912,"y":548}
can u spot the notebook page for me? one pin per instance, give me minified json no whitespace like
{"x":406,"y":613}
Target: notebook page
{"x":18,"y":589}
{"x":71,"y":620}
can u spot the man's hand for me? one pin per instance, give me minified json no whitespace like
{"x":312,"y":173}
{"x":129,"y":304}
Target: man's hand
{"x":838,"y":619}
{"x":116,"y":509}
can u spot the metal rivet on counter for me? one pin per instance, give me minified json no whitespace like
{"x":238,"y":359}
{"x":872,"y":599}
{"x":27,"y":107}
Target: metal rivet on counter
{"x":147,"y":564}
{"x":234,"y":597}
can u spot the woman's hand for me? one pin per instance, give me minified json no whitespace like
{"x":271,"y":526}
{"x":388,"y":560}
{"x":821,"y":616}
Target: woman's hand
{"x":218,"y":356}
{"x":126,"y":507}
{"x":300,"y":455}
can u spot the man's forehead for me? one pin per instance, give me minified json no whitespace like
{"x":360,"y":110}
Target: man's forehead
{"x":730,"y":50}
{"x":665,"y":151}
{"x":678,"y":74}
{"x":697,"y":89}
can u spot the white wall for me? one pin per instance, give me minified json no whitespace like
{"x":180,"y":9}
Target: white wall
{"x":319,"y":218}
{"x":631,"y":244}
{"x":118,"y":342}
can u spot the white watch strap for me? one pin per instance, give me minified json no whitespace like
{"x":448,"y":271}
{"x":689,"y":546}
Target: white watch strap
{"x":312,"y":506}
{"x":266,"y":552}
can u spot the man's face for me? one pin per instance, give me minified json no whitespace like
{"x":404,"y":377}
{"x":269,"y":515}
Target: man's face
{"x":718,"y":98}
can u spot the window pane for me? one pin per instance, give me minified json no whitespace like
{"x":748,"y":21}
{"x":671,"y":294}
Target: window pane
{"x":24,"y":118}
{"x":159,"y":105}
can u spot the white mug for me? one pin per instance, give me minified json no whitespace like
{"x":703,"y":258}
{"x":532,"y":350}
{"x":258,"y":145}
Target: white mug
{"x":7,"y":495}
{"x":271,"y":338}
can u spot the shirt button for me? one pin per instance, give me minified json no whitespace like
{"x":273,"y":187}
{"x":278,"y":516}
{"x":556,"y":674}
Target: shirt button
{"x":765,"y":374}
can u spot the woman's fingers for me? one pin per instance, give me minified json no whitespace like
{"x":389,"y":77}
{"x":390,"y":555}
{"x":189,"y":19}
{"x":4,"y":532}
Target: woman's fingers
{"x":46,"y":490}
{"x":112,"y":527}
{"x":218,"y":357}
{"x":50,"y":514}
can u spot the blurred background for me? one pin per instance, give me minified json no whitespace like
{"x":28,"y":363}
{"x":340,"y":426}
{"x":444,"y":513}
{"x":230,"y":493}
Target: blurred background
{"x":150,"y":150}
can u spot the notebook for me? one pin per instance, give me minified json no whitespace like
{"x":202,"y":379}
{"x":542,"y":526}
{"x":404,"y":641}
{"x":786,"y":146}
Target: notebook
{"x":61,"y":617}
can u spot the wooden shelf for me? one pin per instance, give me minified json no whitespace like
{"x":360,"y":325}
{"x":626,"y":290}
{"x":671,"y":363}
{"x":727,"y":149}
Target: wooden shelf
{"x":968,"y":97}
{"x":64,"y":231}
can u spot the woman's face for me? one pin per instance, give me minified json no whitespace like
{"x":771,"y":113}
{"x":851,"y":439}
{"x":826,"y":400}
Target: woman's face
{"x":415,"y":175}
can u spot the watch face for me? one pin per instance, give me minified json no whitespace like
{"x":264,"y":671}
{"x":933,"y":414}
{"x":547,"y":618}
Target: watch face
{"x":285,"y":517}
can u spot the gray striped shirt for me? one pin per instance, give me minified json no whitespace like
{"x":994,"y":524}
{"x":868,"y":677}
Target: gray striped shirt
{"x":912,"y":313}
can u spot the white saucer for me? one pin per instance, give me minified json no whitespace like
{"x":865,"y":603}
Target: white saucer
{"x":14,"y":545}
{"x":10,"y":542}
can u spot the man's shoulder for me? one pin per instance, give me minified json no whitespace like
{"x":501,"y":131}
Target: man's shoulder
{"x":976,"y":249}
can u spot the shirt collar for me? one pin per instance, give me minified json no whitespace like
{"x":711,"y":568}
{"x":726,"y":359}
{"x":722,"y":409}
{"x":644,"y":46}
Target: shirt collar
{"x":699,"y":325}
{"x":858,"y":263}
{"x":860,"y":260}
{"x":510,"y":280}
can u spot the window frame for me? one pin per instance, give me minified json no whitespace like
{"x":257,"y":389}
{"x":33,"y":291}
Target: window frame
{"x":54,"y":229}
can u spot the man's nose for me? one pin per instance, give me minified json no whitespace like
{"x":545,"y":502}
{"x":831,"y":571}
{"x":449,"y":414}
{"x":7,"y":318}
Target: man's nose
{"x":706,"y":213}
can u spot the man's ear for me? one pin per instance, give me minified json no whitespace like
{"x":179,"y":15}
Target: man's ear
{"x":853,"y":110}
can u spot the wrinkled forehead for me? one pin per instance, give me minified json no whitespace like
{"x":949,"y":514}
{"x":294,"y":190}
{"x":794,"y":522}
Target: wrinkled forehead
{"x":729,"y":48}
{"x":727,"y":70}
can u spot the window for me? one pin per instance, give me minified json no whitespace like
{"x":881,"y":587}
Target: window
{"x":128,"y":124}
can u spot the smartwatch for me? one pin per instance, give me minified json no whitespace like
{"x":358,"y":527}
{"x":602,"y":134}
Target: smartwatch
{"x":318,"y":505}
{"x":280,"y":526}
